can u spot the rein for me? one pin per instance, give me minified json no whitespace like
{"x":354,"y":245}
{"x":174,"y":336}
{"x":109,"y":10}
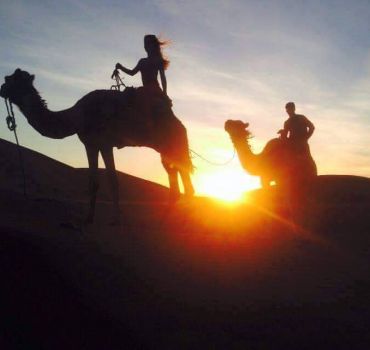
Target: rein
{"x":12,"y":126}
{"x":214,"y":163}
{"x":119,"y":81}
{"x":10,"y":119}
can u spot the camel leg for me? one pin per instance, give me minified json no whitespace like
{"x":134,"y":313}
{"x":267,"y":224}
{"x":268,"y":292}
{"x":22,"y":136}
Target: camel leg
{"x":110,"y":167}
{"x":92,"y":156}
{"x":188,"y":186}
{"x":174,"y":185}
{"x":173,"y":180}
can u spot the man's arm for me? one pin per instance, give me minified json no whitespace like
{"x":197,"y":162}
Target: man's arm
{"x":310,"y":127}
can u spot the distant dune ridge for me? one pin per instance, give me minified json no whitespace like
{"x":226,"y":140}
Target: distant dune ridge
{"x":197,"y":275}
{"x":47,"y":177}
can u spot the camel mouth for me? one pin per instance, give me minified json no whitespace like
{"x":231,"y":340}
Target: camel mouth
{"x":3,"y":89}
{"x":237,"y":129}
{"x":228,"y":125}
{"x":231,"y":124}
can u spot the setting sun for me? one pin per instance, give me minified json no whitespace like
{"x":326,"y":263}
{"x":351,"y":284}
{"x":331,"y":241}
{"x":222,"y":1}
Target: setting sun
{"x":226,"y":184}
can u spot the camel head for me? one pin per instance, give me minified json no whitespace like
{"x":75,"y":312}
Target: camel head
{"x":237,"y":129}
{"x":17,"y":85}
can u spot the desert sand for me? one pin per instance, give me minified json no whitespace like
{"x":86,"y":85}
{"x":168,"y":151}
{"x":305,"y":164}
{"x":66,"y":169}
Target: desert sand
{"x":200,"y":274}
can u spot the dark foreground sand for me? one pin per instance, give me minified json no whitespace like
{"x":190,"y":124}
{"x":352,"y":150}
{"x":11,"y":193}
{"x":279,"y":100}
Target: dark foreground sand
{"x":199,"y":275}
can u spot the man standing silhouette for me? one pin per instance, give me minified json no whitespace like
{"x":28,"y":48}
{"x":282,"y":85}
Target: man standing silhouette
{"x":297,"y":130}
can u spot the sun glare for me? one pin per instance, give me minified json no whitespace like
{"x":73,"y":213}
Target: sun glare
{"x":227,"y":184}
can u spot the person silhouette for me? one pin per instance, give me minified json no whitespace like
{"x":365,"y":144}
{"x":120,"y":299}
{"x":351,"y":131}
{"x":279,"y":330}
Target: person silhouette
{"x":297,"y":130}
{"x":150,"y":97}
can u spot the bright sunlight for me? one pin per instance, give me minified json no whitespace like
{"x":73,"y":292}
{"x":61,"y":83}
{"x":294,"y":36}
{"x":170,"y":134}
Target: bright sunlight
{"x":226,"y":184}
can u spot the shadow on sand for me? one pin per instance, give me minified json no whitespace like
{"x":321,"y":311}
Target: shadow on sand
{"x":208,"y":276}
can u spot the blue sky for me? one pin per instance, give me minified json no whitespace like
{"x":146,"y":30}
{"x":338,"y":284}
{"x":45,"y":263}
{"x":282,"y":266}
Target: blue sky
{"x":229,"y":59}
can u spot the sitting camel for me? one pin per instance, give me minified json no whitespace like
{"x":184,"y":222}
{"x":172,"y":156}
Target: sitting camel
{"x":277,"y":162}
{"x":104,"y":119}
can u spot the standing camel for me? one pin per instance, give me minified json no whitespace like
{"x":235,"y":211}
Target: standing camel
{"x":104,"y":119}
{"x":277,"y":162}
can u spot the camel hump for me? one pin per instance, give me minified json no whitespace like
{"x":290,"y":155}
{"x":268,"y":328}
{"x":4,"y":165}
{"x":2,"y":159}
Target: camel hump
{"x":273,"y":146}
{"x":99,"y":98}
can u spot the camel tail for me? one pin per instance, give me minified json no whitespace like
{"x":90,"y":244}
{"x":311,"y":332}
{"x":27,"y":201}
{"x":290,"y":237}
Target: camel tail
{"x":185,"y":150}
{"x":182,"y":151}
{"x":178,"y":146}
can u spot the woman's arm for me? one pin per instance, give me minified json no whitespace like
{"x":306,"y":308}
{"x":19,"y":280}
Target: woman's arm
{"x":128,"y":71}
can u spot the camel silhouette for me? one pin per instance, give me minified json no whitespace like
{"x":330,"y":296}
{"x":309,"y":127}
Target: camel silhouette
{"x":104,"y":119}
{"x":277,"y":162}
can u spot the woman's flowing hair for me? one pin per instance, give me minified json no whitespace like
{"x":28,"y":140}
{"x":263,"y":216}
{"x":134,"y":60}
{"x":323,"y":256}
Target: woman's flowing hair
{"x":154,"y":48}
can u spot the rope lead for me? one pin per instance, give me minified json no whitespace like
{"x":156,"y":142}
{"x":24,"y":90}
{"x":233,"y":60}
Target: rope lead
{"x":213,"y":163}
{"x":12,"y":126}
{"x":10,"y":120}
{"x":119,"y":81}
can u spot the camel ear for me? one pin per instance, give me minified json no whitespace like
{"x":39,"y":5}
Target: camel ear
{"x":32,"y":77}
{"x":246,"y":125}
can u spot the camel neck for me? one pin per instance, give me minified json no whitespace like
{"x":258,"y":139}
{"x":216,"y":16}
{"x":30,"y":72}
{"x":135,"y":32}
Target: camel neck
{"x":55,"y":125}
{"x":247,"y":158}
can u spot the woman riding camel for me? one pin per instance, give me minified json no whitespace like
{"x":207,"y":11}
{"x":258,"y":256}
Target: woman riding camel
{"x":150,"y":96}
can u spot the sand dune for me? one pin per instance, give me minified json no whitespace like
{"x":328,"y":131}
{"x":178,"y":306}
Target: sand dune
{"x":46,"y":177}
{"x":197,"y":275}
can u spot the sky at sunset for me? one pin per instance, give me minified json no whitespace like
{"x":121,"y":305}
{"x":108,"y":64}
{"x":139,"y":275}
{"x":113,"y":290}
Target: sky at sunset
{"x":229,"y":60}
